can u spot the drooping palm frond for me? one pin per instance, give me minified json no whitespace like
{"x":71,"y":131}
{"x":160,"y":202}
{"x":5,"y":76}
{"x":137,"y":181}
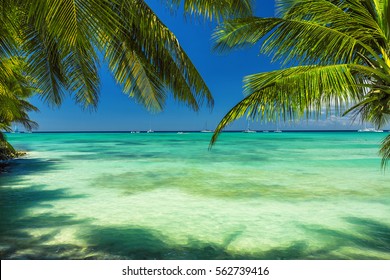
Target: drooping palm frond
{"x":72,"y":63}
{"x":6,"y":39}
{"x":45,"y":64}
{"x":133,"y":71}
{"x":214,"y":9}
{"x":385,"y":151}
{"x":15,"y":89}
{"x":145,"y":57}
{"x":289,"y":40}
{"x":148,"y":60}
{"x":295,"y":92}
{"x":342,"y":47}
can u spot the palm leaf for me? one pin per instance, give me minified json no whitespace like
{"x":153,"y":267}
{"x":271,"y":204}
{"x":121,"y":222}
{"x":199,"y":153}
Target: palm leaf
{"x":214,"y":9}
{"x":347,"y":40}
{"x":44,"y":60}
{"x":385,"y":151}
{"x":149,"y":42}
{"x":295,"y":92}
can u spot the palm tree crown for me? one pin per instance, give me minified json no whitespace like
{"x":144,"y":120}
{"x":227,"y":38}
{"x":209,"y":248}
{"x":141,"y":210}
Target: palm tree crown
{"x":63,"y":40}
{"x":59,"y":44}
{"x":338,"y":53}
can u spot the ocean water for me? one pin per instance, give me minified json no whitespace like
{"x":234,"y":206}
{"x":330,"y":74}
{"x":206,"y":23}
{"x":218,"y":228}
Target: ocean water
{"x":308,"y":195}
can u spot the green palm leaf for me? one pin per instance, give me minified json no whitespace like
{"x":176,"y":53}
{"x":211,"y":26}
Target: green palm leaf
{"x":385,"y":151}
{"x":342,"y":47}
{"x":145,"y":57}
{"x":295,"y":92}
{"x":166,"y":65}
{"x":214,"y":9}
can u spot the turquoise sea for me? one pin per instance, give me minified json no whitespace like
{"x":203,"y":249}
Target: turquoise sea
{"x":307,"y":195}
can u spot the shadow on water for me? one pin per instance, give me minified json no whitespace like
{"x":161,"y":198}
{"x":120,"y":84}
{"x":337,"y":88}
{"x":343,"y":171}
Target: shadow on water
{"x":139,"y":243}
{"x":130,"y":242}
{"x":17,"y":224}
{"x":14,"y":170}
{"x":365,"y":238}
{"x":370,"y":237}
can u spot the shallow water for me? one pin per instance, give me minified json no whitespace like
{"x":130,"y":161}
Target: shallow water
{"x":166,"y":196}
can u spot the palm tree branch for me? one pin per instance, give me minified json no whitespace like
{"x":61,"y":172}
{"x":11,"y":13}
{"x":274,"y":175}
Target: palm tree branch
{"x":288,"y":40}
{"x":385,"y":151}
{"x":214,"y":9}
{"x":152,"y":41}
{"x":294,"y":92}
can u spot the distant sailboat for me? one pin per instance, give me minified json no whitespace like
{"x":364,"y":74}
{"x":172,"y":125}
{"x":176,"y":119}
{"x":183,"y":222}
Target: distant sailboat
{"x":16,"y":129}
{"x":248,"y":130}
{"x":370,"y":130}
{"x":277,"y":129}
{"x":205,"y":130}
{"x":150,"y":127}
{"x":365,"y":129}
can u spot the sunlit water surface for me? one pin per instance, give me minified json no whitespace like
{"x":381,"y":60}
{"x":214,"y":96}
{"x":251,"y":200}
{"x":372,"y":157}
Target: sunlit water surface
{"x":166,"y":196}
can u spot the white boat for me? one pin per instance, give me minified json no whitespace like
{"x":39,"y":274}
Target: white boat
{"x":150,"y":126}
{"x":205,"y":130}
{"x":248,"y":130}
{"x":278,"y":131}
{"x":16,"y":130}
{"x":370,"y":130}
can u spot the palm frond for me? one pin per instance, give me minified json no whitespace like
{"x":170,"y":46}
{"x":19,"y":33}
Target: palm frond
{"x":81,"y":66}
{"x":304,"y":30}
{"x":288,"y":40}
{"x":44,"y":60}
{"x":214,"y":9}
{"x":296,"y":92}
{"x":73,"y":45}
{"x":347,"y":40}
{"x":147,"y":41}
{"x":133,"y":72}
{"x":385,"y":151}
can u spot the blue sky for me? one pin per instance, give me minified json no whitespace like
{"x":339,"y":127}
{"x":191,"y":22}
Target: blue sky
{"x":222,"y":73}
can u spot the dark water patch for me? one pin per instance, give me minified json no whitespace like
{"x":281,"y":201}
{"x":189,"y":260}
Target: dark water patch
{"x":141,"y":243}
{"x":15,"y":170}
{"x":16,"y":222}
{"x":4,"y":167}
{"x":367,"y":235}
{"x":241,"y":186}
{"x":112,"y":155}
{"x":375,"y":235}
{"x":124,"y":243}
{"x":36,"y":248}
{"x":130,"y":182}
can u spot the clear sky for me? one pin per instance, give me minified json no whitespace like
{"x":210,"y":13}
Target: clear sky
{"x":222,"y":73}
